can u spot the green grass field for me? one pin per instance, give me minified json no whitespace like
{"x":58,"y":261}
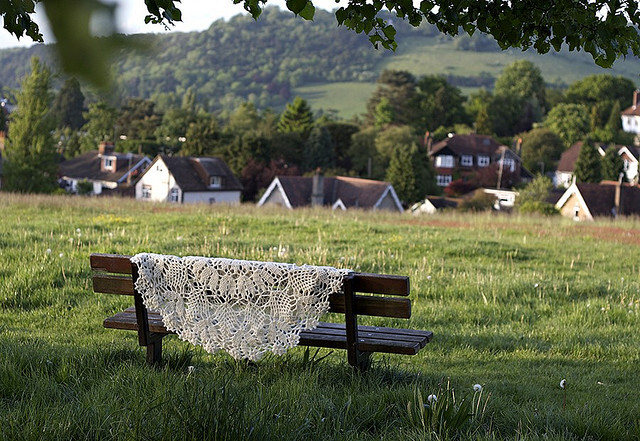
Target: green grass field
{"x":516,"y":305}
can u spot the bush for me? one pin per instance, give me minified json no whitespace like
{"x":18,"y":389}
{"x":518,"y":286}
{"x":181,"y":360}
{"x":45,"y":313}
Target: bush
{"x":537,"y":207}
{"x":480,"y":201}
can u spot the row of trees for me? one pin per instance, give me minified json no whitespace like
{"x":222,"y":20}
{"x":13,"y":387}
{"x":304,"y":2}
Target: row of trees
{"x":388,"y":142}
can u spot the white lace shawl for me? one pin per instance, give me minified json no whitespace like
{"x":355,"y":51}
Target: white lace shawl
{"x":246,"y":308}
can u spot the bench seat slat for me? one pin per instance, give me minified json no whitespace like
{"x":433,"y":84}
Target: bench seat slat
{"x":330,"y":335}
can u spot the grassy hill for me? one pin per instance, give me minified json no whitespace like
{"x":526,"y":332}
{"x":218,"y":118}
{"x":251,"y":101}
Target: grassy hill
{"x":279,"y":56}
{"x":516,"y":305}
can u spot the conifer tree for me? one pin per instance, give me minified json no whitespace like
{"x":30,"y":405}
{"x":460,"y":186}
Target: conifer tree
{"x":612,"y":164}
{"x":100,"y":125}
{"x":401,"y":174}
{"x":318,"y":150}
{"x":30,"y":150}
{"x":68,"y":105}
{"x":297,"y":117}
{"x":588,"y":167}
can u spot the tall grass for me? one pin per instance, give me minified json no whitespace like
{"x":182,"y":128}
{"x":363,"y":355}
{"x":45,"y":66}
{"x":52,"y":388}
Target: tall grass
{"x":516,"y":304}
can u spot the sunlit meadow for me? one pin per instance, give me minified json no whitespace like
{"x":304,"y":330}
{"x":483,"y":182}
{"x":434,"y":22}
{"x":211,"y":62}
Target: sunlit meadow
{"x":517,"y":306}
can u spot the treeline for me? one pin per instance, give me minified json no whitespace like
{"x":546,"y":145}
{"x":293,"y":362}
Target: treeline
{"x":404,"y":116}
{"x":243,"y":60}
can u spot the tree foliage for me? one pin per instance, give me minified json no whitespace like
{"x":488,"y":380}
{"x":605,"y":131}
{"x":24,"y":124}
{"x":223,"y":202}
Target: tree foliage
{"x":541,"y":150}
{"x":31,"y":165}
{"x":296,"y":118}
{"x":588,"y":164}
{"x":68,"y":105}
{"x":519,"y":98}
{"x":569,"y":121}
{"x":580,"y":25}
{"x":533,"y":197}
{"x":612,"y":164}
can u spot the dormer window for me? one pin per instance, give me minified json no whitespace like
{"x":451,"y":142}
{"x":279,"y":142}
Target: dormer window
{"x":215,"y":181}
{"x":483,"y":160}
{"x":108,"y":163}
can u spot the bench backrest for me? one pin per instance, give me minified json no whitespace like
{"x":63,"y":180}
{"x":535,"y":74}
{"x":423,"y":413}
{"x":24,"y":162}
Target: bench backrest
{"x":112,"y":274}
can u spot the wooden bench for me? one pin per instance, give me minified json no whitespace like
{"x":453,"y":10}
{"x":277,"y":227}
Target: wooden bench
{"x":115,"y":274}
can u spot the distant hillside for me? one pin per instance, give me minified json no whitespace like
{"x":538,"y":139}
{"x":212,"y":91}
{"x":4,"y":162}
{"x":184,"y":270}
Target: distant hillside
{"x":279,"y":56}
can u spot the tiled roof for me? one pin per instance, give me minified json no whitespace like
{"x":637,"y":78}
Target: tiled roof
{"x":632,"y":111}
{"x":353,"y":192}
{"x":468,"y":145}
{"x":192,"y":173}
{"x":600,"y":198}
{"x":441,"y":202}
{"x":569,"y":157}
{"x":87,"y":166}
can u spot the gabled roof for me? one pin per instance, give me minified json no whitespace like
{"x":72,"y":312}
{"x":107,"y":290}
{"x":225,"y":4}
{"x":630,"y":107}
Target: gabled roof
{"x":192,"y":173}
{"x":600,"y":198}
{"x":467,"y":145}
{"x":87,"y":166}
{"x":352,"y":192}
{"x":631,"y":111}
{"x":569,"y":157}
{"x":441,"y":202}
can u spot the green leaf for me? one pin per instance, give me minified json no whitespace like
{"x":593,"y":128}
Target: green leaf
{"x":308,"y":12}
{"x":296,"y":6}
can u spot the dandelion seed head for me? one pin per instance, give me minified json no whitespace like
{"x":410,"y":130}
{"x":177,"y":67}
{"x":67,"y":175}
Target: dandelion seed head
{"x":428,"y":277}
{"x":48,"y":251}
{"x":190,"y":369}
{"x":432,"y":398}
{"x":78,"y":230}
{"x":563,"y":383}
{"x":536,"y":285}
{"x":477,"y":387}
{"x":61,"y":255}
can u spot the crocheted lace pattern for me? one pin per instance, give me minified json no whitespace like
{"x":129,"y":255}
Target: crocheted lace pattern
{"x":244,"y":307}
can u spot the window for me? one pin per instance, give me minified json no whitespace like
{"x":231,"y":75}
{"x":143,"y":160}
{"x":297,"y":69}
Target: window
{"x":215,"y":181}
{"x":108,"y":163}
{"x":443,"y":180}
{"x":483,"y":160}
{"x":444,"y":161}
{"x":625,"y":164}
{"x":509,"y":163}
{"x":174,"y":195}
{"x":159,"y":168}
{"x":146,"y":192}
{"x":466,"y":160}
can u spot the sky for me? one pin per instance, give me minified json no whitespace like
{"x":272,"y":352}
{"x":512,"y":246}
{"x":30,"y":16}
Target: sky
{"x":197,"y":15}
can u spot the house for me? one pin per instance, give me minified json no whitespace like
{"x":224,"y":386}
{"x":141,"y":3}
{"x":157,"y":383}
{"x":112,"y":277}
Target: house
{"x":477,"y":157}
{"x":337,"y":192}
{"x":433,"y":204}
{"x":563,"y":176}
{"x":104,"y":169}
{"x":585,"y":201}
{"x":186,"y":179}
{"x":505,"y":199}
{"x":631,"y":115}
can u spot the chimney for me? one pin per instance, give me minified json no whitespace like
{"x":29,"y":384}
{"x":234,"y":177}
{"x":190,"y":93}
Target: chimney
{"x":635,"y":98}
{"x":617,"y":203}
{"x":106,"y":148}
{"x":317,"y":189}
